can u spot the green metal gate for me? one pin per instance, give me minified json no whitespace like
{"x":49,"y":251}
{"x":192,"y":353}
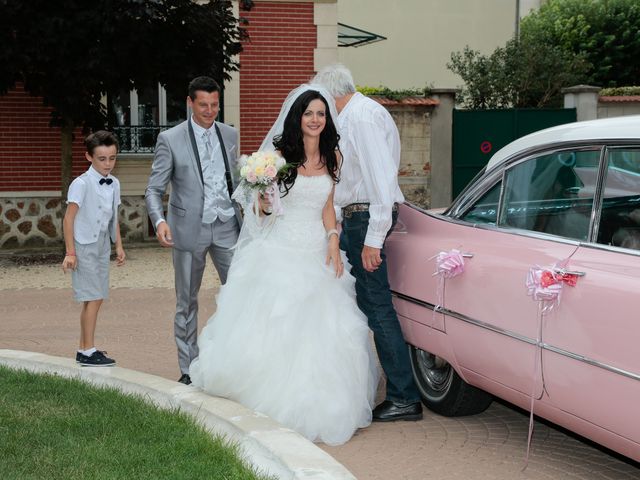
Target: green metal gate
{"x":478,"y":134}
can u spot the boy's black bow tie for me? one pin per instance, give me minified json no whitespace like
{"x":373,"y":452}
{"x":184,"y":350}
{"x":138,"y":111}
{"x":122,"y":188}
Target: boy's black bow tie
{"x":108,"y":181}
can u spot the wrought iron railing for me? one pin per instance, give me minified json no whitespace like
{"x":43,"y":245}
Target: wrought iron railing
{"x":138,"y":139}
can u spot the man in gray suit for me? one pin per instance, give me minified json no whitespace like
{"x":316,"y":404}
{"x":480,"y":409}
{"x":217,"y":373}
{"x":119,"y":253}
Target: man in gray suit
{"x":196,"y":157}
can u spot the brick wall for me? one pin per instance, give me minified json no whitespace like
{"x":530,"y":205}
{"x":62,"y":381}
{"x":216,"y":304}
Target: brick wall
{"x":30,"y":149}
{"x":278,"y":58}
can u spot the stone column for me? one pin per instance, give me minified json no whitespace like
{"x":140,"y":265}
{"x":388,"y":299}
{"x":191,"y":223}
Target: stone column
{"x":442,"y":147}
{"x":232,"y":90}
{"x":584,"y":98}
{"x":325,"y":17}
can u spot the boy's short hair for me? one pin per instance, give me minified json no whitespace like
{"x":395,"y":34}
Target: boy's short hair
{"x":206,"y":84}
{"x":100,"y":138}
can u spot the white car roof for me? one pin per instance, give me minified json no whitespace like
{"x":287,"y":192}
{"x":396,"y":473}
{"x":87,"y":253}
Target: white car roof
{"x":615,"y":128}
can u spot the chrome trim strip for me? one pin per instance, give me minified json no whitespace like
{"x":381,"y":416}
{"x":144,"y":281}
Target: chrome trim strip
{"x":591,"y":361}
{"x":488,"y":326}
{"x":430,"y":306}
{"x":517,"y":336}
{"x":464,"y":318}
{"x":610,"y":248}
{"x":598,"y":198}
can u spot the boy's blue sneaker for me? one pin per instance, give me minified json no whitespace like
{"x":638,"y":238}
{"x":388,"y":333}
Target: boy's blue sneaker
{"x":96,"y":359}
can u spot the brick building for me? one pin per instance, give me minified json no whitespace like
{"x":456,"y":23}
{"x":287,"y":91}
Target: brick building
{"x":289,"y":41}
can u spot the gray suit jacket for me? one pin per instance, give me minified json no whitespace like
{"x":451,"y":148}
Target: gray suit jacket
{"x":176,"y":161}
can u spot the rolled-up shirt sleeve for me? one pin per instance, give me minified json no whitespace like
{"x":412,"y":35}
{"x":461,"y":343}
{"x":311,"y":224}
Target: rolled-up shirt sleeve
{"x":380,"y":177}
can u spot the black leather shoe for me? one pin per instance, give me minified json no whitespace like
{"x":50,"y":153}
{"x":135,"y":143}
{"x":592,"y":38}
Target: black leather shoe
{"x":389,"y":411}
{"x":185,"y":378}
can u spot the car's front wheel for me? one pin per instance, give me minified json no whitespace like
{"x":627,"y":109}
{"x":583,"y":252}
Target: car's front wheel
{"x":442,"y":389}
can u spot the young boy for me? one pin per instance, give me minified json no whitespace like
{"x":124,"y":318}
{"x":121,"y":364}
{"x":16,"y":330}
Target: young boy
{"x":90,"y":222}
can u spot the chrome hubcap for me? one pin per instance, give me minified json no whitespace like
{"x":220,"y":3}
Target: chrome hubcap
{"x":436,"y":372}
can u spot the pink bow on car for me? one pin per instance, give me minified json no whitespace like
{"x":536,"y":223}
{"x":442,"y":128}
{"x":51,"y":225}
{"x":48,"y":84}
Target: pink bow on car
{"x":546,"y":283}
{"x":449,"y":264}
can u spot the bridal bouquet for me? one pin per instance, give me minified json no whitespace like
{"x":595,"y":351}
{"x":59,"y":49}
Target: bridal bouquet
{"x":260,"y":172}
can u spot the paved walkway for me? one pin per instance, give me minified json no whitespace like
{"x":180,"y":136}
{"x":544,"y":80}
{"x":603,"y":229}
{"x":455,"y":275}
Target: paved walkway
{"x":37,"y":314}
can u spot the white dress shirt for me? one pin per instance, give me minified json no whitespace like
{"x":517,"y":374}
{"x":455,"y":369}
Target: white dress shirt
{"x":370,"y":145}
{"x":98,"y":205}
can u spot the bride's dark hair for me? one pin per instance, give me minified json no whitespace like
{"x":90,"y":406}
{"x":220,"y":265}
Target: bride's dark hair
{"x":291,"y":145}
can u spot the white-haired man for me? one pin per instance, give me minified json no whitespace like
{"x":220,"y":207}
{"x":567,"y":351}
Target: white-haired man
{"x":367,"y":199}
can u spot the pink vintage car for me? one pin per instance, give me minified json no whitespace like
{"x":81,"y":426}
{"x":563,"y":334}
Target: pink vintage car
{"x":528,"y":285}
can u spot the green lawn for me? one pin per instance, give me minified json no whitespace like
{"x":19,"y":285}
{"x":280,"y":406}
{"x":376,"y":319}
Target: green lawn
{"x":56,"y":428}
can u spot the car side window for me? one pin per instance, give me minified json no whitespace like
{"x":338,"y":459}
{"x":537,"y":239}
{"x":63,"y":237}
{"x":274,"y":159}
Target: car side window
{"x":485,"y":210}
{"x":552,"y":193}
{"x":620,"y":218}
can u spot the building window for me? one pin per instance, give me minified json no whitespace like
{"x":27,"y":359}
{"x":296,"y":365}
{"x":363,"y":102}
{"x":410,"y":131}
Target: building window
{"x":138,"y":117}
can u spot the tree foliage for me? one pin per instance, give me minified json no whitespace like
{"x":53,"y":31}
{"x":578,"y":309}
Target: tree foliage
{"x":564,"y":43}
{"x":605,"y":32}
{"x":520,"y":74}
{"x":74,"y":52}
{"x":482,"y":75}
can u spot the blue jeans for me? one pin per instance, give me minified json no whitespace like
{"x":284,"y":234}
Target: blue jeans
{"x":374,"y":299}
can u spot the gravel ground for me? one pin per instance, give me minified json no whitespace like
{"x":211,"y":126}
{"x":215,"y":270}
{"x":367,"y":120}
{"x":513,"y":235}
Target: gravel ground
{"x":147,"y":266}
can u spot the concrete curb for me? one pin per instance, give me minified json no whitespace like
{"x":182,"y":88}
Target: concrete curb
{"x":266,"y":445}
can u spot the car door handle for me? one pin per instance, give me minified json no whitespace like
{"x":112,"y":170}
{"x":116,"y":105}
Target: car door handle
{"x":562,"y":271}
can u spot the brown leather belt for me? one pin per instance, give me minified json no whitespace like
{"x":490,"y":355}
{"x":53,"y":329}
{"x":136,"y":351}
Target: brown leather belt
{"x":352,"y":208}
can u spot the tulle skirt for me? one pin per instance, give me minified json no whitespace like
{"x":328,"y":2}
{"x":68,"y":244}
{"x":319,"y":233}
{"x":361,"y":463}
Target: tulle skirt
{"x":289,"y":341}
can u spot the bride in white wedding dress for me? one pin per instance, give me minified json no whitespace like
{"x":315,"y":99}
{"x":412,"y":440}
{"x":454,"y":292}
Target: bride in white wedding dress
{"x":287,"y":338}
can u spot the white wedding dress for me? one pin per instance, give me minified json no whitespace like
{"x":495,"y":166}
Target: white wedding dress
{"x":287,"y":338}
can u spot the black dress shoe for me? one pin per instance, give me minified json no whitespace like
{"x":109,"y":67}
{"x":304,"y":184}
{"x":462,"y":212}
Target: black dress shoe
{"x":185,"y":378}
{"x":389,"y":411}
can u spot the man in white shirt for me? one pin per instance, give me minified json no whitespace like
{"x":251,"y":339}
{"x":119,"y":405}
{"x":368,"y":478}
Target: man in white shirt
{"x":366,"y":200}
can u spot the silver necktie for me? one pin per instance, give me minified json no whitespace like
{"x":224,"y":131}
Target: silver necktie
{"x":207,"y":145}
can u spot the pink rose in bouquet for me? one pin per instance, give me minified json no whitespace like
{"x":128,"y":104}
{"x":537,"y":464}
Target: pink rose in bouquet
{"x":260,"y":172}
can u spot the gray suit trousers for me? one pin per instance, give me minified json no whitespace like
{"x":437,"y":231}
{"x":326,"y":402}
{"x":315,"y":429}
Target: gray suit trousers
{"x":216,"y":239}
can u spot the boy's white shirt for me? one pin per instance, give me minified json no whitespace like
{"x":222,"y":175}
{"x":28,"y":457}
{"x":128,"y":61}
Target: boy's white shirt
{"x":98,"y":206}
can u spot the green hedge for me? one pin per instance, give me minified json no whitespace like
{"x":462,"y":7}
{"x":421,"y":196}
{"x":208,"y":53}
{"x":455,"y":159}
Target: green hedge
{"x":619,"y":91}
{"x":394,"y":94}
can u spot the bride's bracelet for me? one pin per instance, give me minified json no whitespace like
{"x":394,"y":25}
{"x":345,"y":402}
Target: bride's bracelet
{"x":333,"y":231}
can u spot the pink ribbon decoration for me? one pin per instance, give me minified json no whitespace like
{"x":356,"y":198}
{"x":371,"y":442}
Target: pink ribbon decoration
{"x":272,"y":193}
{"x":542,"y":286}
{"x":545,"y":286}
{"x":449,"y":264}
